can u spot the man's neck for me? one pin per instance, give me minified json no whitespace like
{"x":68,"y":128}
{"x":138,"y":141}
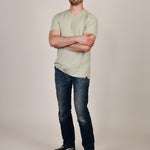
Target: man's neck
{"x":76,"y":9}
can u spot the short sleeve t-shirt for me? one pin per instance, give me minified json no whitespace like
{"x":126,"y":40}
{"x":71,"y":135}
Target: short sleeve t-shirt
{"x":74,"y":63}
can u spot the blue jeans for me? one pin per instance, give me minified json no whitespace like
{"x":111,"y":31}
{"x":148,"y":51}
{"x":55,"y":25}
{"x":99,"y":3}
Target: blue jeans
{"x":63,"y":84}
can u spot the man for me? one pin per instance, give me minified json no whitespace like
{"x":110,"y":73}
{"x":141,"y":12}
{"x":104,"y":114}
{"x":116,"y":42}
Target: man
{"x":73,"y":33}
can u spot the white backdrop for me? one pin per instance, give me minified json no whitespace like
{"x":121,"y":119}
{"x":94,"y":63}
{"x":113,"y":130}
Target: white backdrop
{"x":119,"y":98}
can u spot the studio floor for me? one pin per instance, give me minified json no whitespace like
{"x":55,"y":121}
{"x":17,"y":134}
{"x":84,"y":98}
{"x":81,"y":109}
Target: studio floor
{"x":48,"y":139}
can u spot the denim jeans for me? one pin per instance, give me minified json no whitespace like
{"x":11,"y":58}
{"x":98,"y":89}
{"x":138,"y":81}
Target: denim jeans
{"x":64,"y":84}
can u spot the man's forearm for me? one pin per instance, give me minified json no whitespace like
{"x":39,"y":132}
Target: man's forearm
{"x":78,"y":47}
{"x":60,"y":41}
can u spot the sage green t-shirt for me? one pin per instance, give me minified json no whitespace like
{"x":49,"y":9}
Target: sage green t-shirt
{"x":74,"y":63}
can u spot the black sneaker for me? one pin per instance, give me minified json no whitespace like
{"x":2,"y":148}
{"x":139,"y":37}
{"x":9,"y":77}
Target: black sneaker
{"x":63,"y":148}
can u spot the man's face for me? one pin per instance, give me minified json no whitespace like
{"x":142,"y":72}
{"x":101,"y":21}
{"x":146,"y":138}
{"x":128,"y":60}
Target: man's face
{"x":75,"y":2}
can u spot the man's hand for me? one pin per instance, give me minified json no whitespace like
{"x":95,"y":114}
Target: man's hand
{"x":86,"y":39}
{"x":85,"y":42}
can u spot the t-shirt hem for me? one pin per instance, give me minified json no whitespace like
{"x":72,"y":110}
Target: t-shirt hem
{"x":71,"y":74}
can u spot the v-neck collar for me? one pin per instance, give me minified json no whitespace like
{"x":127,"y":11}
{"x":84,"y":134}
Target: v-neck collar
{"x":77,"y":14}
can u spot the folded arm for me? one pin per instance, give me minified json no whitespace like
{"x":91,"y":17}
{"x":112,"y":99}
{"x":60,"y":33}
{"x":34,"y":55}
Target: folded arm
{"x":79,"y":47}
{"x":75,"y":43}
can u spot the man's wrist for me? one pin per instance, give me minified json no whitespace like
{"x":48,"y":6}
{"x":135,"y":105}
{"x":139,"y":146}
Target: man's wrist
{"x":77,"y":39}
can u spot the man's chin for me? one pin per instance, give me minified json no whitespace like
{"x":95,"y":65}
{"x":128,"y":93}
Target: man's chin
{"x":75,"y":3}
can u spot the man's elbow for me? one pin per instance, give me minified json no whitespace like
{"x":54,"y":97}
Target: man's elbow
{"x":51,"y":43}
